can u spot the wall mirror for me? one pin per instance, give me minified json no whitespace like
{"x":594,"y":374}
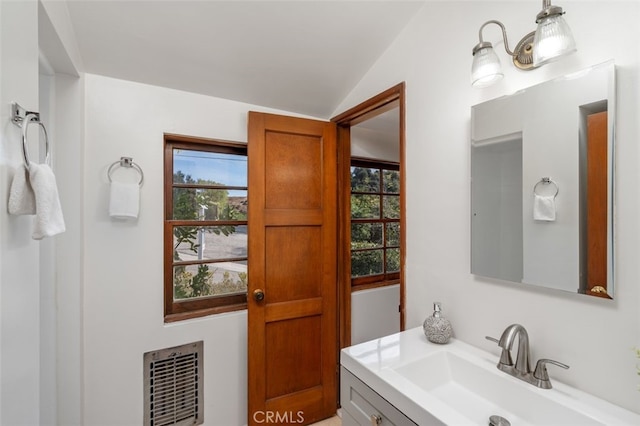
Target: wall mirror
{"x":542,"y":184}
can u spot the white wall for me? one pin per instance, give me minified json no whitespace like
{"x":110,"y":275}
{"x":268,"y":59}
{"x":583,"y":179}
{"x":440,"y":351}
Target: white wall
{"x":433,"y":56}
{"x":69,"y":265}
{"x":31,"y":292}
{"x":61,"y":100}
{"x":370,"y":143}
{"x":19,"y":254}
{"x":374,"y":313}
{"x":47,"y":306}
{"x":123,"y":273}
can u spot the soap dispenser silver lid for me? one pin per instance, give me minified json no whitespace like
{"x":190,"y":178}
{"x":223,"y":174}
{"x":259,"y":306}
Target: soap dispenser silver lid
{"x":437,"y":309}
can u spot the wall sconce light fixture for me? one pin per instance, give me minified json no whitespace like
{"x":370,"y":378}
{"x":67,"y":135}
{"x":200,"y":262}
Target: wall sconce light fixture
{"x":552,"y":39}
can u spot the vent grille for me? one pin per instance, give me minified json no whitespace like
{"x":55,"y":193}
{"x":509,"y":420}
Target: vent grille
{"x":173,"y":386}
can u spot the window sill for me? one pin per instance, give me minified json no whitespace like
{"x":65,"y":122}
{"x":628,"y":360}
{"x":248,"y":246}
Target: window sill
{"x":204,"y":312}
{"x":376,"y":284}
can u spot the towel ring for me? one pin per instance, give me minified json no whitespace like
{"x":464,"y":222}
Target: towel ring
{"x":126,"y":162}
{"x":28,"y":119}
{"x":546,"y":181}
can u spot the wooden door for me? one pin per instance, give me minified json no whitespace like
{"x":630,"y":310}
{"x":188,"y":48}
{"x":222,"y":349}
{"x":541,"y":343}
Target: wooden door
{"x":597,"y":204}
{"x":292,"y":270}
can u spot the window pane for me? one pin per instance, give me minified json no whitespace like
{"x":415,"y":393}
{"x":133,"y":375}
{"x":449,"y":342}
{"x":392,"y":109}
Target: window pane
{"x":393,"y":234}
{"x":365,"y":263}
{"x":209,"y":242}
{"x":366,"y":235}
{"x":365,"y":206}
{"x":391,"y":181}
{"x":393,"y":260}
{"x":365,"y":180}
{"x":209,"y":168}
{"x":209,"y":204}
{"x":391,"y":207}
{"x":209,"y":279}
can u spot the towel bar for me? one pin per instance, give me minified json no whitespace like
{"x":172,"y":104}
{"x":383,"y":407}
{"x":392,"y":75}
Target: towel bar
{"x":126,"y":162}
{"x":546,"y":181}
{"x":22,"y":118}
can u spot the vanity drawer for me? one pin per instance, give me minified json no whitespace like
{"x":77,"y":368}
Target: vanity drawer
{"x":363,"y":406}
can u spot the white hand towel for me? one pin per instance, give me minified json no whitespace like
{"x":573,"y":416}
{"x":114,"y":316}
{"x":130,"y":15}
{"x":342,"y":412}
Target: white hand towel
{"x":49,"y":220}
{"x":124,"y":202}
{"x":544,"y":207}
{"x":22,"y":200}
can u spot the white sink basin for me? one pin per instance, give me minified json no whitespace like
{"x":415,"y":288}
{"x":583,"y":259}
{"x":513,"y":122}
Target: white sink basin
{"x":457,"y":384}
{"x":466,"y":386}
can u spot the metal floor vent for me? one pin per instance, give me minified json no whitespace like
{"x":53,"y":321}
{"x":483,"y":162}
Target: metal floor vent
{"x":173,"y":386}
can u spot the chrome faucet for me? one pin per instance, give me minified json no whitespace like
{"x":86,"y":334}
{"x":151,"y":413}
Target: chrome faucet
{"x":522,"y":367}
{"x":522,"y":357}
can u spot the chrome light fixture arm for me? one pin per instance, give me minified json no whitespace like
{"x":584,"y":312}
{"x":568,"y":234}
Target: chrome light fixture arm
{"x":504,"y":35}
{"x":522,"y":55}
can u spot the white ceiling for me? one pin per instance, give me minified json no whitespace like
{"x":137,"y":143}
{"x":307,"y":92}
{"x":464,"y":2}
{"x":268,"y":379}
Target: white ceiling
{"x":299,"y":56}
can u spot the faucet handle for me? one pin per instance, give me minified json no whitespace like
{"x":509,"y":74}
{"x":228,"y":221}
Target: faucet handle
{"x":505,"y":356}
{"x":541,"y":373}
{"x":493,"y":339}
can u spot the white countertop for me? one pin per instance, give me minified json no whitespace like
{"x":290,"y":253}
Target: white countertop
{"x":374,"y":363}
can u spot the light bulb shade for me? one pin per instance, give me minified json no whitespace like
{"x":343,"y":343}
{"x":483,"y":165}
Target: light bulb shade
{"x":553,"y":40}
{"x":486,"y":68}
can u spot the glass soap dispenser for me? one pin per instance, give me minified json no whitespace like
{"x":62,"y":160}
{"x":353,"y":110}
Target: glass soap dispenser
{"x":436,"y":327}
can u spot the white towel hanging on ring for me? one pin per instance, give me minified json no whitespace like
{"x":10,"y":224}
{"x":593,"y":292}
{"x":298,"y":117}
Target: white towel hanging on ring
{"x":22,"y":200}
{"x":544,"y":203}
{"x":544,"y":208}
{"x":124,"y":200}
{"x":124,"y":197}
{"x":49,"y":220}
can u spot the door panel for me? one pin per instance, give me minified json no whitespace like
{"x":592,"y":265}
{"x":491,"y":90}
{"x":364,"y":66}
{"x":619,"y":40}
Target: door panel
{"x":290,"y":366}
{"x":288,"y":184}
{"x":285,"y":243}
{"x":292,"y":259}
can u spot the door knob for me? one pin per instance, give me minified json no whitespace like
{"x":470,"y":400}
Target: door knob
{"x":599,"y":289}
{"x":258,"y":295}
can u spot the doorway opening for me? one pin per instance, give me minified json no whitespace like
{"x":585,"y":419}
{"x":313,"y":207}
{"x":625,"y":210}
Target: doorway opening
{"x":359,"y":130}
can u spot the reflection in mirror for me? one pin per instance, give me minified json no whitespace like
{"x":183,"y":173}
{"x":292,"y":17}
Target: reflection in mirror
{"x":542,"y":184}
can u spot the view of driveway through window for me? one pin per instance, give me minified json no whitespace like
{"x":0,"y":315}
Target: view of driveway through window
{"x":210,"y":216}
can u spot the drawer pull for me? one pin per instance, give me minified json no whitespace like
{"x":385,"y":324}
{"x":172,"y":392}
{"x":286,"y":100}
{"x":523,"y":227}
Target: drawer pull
{"x":376,"y":420}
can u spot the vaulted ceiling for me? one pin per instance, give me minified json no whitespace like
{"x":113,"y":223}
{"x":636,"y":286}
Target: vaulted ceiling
{"x":299,"y":56}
